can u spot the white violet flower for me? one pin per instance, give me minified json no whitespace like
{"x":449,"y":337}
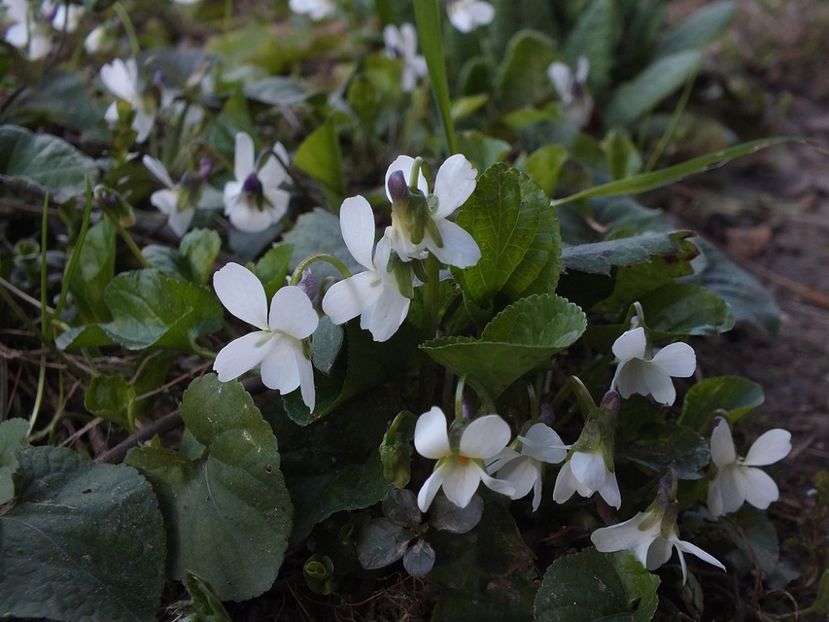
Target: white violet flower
{"x":278,"y":344}
{"x":738,"y":480}
{"x":523,"y":468}
{"x":640,"y":373}
{"x":122,"y":80}
{"x":586,"y":472}
{"x":375,"y":294}
{"x":169,"y":200}
{"x":446,"y":240}
{"x":254,"y":200}
{"x":459,"y":470}
{"x":402,"y":43}
{"x":467,"y":15}
{"x":651,"y":537}
{"x":26,"y":32}
{"x":64,"y":16}
{"x":572,"y":90}
{"x":315,"y":9}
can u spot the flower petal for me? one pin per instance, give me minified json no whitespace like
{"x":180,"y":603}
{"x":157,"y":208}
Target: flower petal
{"x":248,"y":219}
{"x":242,"y":354}
{"x":165,"y":201}
{"x":659,"y":552}
{"x":622,"y":536}
{"x":244,"y":157}
{"x":158,"y":170}
{"x":460,"y":481}
{"x":272,"y":174}
{"x":565,"y":484}
{"x":677,"y":360}
{"x":347,"y":299}
{"x":293,"y":313}
{"x":241,"y":292}
{"x":562,"y":79}
{"x":454,"y":184}
{"x":143,"y":124}
{"x":459,"y":248}
{"x":501,"y":459}
{"x":521,"y":474}
{"x":357,"y":226}
{"x":279,"y":200}
{"x":484,"y":437}
{"x":660,"y":386}
{"x":386,"y":315}
{"x":609,"y":491}
{"x":279,"y":368}
{"x":589,"y":468}
{"x":629,"y":378}
{"x":120,"y":77}
{"x":693,"y":549}
{"x":430,"y":437}
{"x":179,"y":220}
{"x":429,"y":489}
{"x":760,"y":490}
{"x":770,"y":447}
{"x":542,"y":443}
{"x":722,"y":445}
{"x":498,"y":485}
{"x":631,"y":344}
{"x":404,"y":163}
{"x":306,"y":378}
{"x":715,"y":501}
{"x":733,"y":487}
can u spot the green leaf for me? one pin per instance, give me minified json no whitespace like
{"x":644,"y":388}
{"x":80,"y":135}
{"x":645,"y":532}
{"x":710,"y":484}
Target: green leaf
{"x":319,"y":155}
{"x":504,"y":215}
{"x":276,"y":91}
{"x":150,"y":309}
{"x":234,"y":118}
{"x":733,"y":395}
{"x":200,"y":248}
{"x":521,"y":337}
{"x":112,"y":398}
{"x":622,"y":156}
{"x":205,"y":603}
{"x":676,"y":447}
{"x":482,"y":150}
{"x":12,"y":438}
{"x":43,"y":163}
{"x":326,"y":344}
{"x":594,"y":36}
{"x":272,"y":268}
{"x":381,"y":543}
{"x":544,"y":164}
{"x":94,"y":270}
{"x":315,"y":232}
{"x":600,"y":257}
{"x":83,"y":541}
{"x":89,"y":336}
{"x":228,"y":514}
{"x":821,"y":604}
{"x":634,"y":99}
{"x":681,"y":309}
{"x":591,"y":586}
{"x":522,"y":76}
{"x":700,"y":29}
{"x":749,"y":300}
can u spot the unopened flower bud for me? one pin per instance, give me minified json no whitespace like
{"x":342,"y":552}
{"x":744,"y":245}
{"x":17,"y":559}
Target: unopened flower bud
{"x":611,"y":402}
{"x":398,"y":188}
{"x":206,"y":165}
{"x":310,"y":284}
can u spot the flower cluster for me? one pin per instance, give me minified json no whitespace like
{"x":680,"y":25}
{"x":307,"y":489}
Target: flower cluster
{"x":33,"y":25}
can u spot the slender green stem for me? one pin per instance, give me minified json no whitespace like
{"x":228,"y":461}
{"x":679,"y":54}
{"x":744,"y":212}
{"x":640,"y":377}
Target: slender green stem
{"x":414,"y":176}
{"x":487,"y":402}
{"x":128,"y":27}
{"x":41,"y":383}
{"x":432,"y":294}
{"x":44,"y":229}
{"x":430,"y":32}
{"x":671,"y":129}
{"x":459,"y":399}
{"x":74,"y":259}
{"x":136,"y":252}
{"x":306,"y":263}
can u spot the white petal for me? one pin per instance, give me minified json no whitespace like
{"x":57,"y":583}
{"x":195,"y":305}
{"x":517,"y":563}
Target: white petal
{"x":660,"y":386}
{"x":279,"y":200}
{"x":562,"y":79}
{"x":629,"y":378}
{"x":293,"y":313}
{"x":498,"y":485}
{"x":120,"y":78}
{"x":179,"y":220}
{"x":609,"y":491}
{"x":404,"y":163}
{"x":521,"y":474}
{"x":542,"y":443}
{"x":241,"y":355}
{"x":306,"y":378}
{"x":430,"y":437}
{"x":392,"y":38}
{"x":659,"y":552}
{"x":677,"y":360}
{"x":501,"y":459}
{"x":715,"y":501}
{"x":241,"y":292}
{"x":459,"y":248}
{"x":582,"y":69}
{"x":279,"y":368}
{"x":484,"y":437}
{"x":733,"y":486}
{"x":565,"y":484}
{"x":454,"y":184}
{"x":248,"y":219}
{"x":387,"y":314}
{"x":770,"y":447}
{"x":460,"y":481}
{"x":761,"y":491}
{"x":631,"y":344}
{"x":272,"y":174}
{"x":18,"y":34}
{"x":429,"y":489}
{"x":693,"y":549}
{"x":589,"y":469}
{"x":165,"y":201}
{"x":537,"y":493}
{"x":347,"y":299}
{"x":244,"y":158}
{"x":357,"y":227}
{"x":158,"y":170}
{"x":231,"y":195}
{"x":722,"y":445}
{"x":143,"y":124}
{"x":622,"y":536}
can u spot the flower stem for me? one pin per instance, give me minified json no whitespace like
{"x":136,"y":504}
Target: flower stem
{"x":305,"y":263}
{"x":432,"y":295}
{"x":459,"y":399}
{"x":128,"y":27}
{"x":136,"y":252}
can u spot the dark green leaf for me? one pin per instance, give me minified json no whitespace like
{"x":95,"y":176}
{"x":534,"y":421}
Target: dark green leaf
{"x":276,"y":91}
{"x":419,"y":559}
{"x":150,"y":309}
{"x":319,"y":155}
{"x":524,"y":335}
{"x":112,"y":398}
{"x":228,"y":513}
{"x":381,"y":543}
{"x":89,"y":336}
{"x":315,"y":232}
{"x":591,"y":586}
{"x":733,"y":395}
{"x":95,"y":269}
{"x":12,"y":439}
{"x":600,"y":257}
{"x":482,"y":150}
{"x":446,"y":516}
{"x":594,"y":36}
{"x":400,"y":506}
{"x":200,"y":248}
{"x":234,"y":118}
{"x":522,"y":76}
{"x":681,"y":309}
{"x":44,"y":163}
{"x":677,"y":447}
{"x":700,"y":29}
{"x":83,"y":541}
{"x":272,"y":268}
{"x":326,"y":344}
{"x":544,"y":164}
{"x":206,"y":605}
{"x":622,"y":155}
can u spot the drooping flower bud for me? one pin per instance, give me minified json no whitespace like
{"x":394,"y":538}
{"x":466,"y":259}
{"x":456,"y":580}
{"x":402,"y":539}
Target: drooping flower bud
{"x":398,"y":188}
